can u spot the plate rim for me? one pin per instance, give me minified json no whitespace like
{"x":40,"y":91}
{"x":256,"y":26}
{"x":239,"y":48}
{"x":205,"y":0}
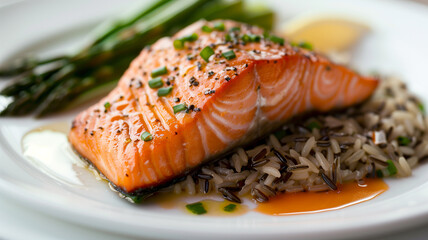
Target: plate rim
{"x":394,"y":221}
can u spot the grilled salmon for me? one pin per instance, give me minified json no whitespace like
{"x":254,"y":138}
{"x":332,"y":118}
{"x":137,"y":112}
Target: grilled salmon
{"x":188,"y":99}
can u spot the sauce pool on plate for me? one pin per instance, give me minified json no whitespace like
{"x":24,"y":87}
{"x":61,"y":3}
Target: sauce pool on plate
{"x":313,"y":202}
{"x":284,"y":204}
{"x":47,"y":149}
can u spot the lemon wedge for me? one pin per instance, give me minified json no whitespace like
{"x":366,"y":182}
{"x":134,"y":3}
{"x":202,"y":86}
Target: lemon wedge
{"x":327,"y":34}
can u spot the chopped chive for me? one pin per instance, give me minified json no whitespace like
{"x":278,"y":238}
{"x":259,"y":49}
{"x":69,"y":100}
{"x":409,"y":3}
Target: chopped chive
{"x":280,"y":134}
{"x":421,"y":107}
{"x":206,"y":53}
{"x":164,"y":91}
{"x":190,"y":38}
{"x":196,"y":208}
{"x":235,"y":29}
{"x":392,"y":170}
{"x":306,"y":45}
{"x":136,"y":199}
{"x":403,"y":141}
{"x":255,"y":38}
{"x":266,"y":34}
{"x":178,"y":44}
{"x":379,"y":173}
{"x":230,"y":208}
{"x":219,"y":26}
{"x":276,"y":39}
{"x":229,"y":55}
{"x":159,"y":71}
{"x":313,"y":125}
{"x":156,"y":82}
{"x":251,"y":38}
{"x":228,"y":38}
{"x":146,"y":136}
{"x":206,"y":29}
{"x":179,"y":108}
{"x":107,"y":105}
{"x":246,"y":38}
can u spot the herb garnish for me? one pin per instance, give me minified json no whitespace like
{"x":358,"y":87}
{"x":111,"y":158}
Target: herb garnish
{"x":159,"y":71}
{"x":146,"y":136}
{"x":196,"y":208}
{"x":206,"y":53}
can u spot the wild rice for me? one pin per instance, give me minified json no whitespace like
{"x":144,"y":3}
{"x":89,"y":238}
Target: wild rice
{"x":335,"y":146}
{"x":308,"y":146}
{"x":328,"y":181}
{"x":322,"y":161}
{"x":349,"y":146}
{"x":229,"y":195}
{"x":405,"y":166}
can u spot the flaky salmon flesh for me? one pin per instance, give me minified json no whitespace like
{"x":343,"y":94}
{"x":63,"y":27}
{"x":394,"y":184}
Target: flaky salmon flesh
{"x":191,"y":98}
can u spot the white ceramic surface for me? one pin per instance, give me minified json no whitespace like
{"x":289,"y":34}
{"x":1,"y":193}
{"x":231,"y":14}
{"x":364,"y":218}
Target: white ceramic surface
{"x":397,"y":45}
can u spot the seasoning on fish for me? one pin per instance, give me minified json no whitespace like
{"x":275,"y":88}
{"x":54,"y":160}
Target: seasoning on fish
{"x":175,"y":130}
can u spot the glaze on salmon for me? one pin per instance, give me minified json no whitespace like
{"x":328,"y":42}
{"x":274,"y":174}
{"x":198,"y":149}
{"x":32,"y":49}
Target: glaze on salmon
{"x":230,"y":102}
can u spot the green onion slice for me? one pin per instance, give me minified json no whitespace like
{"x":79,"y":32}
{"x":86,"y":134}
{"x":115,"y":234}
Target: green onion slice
{"x":403,"y":141}
{"x":206,"y":53}
{"x":229,"y":55}
{"x":190,"y":38}
{"x":228,"y":38}
{"x":230,"y":208}
{"x":196,"y":208}
{"x":164,"y":91}
{"x":156,"y":82}
{"x":421,"y":107}
{"x":276,"y":39}
{"x":136,"y":199}
{"x":306,"y":45}
{"x":235,"y":29}
{"x":251,"y":38}
{"x":107,"y":105}
{"x":159,"y":71}
{"x":255,"y":38}
{"x":280,"y":134}
{"x":146,"y":136}
{"x":246,"y":38}
{"x":178,"y":44}
{"x":266,"y":34}
{"x":390,"y":170}
{"x":313,"y":125}
{"x":206,"y":29}
{"x":179,"y":108}
{"x":379,"y":173}
{"x":219,"y":26}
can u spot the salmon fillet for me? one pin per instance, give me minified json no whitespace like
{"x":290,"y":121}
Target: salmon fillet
{"x":137,"y":141}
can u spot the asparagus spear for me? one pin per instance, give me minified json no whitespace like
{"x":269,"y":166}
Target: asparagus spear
{"x":65,"y":93}
{"x":24,"y":65}
{"x":105,"y":30}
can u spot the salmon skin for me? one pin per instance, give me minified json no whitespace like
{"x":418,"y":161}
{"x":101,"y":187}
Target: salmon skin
{"x":148,"y":133}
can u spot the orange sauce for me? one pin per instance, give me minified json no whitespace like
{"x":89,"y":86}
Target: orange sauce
{"x":313,"y":202}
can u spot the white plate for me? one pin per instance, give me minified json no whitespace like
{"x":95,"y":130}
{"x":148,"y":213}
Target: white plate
{"x":398,"y":45}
